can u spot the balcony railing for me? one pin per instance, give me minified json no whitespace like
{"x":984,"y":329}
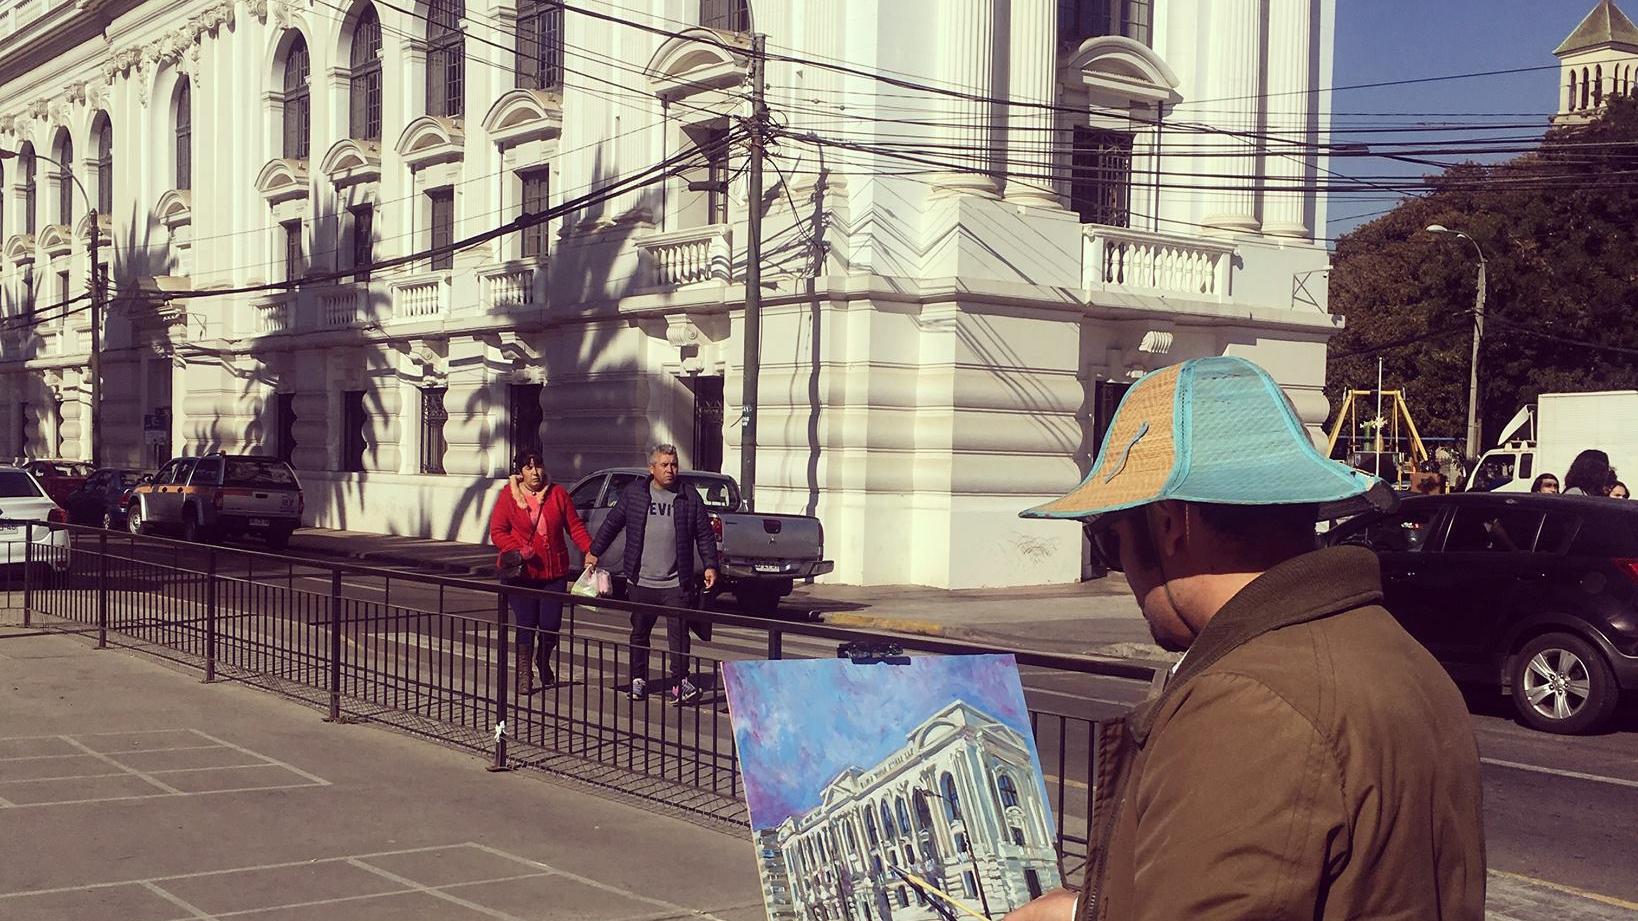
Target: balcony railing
{"x":273,"y":315}
{"x":688,"y":257}
{"x":423,"y":297}
{"x":341,"y":307}
{"x":514,"y":287}
{"x":1139,"y":261}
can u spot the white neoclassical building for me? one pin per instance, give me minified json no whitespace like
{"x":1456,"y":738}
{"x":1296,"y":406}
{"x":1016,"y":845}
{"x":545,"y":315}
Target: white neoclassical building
{"x":983,"y":219}
{"x":959,"y":806}
{"x":1596,"y":64}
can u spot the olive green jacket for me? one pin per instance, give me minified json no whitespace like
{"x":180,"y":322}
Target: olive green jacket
{"x":1308,"y":760}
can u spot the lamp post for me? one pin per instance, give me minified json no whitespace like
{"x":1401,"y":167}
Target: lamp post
{"x":1478,"y":335}
{"x":96,"y":301}
{"x":972,"y":857}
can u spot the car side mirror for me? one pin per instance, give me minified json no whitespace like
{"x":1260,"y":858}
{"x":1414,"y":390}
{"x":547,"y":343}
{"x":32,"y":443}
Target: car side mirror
{"x":146,"y":479}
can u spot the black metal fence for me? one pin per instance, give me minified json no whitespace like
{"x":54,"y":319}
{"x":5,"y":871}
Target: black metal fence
{"x":435,"y":655}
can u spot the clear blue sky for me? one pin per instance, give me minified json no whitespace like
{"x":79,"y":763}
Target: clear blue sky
{"x":1379,"y":40}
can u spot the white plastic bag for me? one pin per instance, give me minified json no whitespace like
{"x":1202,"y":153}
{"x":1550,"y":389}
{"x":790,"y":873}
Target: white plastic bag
{"x":586,"y":586}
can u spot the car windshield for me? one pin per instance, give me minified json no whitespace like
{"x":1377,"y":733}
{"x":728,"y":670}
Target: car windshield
{"x":255,"y":471}
{"x":15,"y":484}
{"x":129,"y":478}
{"x":718,"y":493}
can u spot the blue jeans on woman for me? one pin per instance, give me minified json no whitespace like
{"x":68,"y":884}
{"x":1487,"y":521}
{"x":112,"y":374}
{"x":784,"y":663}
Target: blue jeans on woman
{"x":533,"y":614}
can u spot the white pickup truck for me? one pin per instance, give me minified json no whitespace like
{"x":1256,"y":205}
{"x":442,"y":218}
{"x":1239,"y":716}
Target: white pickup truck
{"x":1557,"y":428}
{"x":762,"y":555}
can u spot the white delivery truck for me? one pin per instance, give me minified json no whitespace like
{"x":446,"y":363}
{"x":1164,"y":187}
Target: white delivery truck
{"x":1546,"y":437}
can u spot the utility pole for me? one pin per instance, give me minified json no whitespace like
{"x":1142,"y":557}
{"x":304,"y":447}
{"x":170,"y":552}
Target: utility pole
{"x":753,"y":277}
{"x":96,"y":342}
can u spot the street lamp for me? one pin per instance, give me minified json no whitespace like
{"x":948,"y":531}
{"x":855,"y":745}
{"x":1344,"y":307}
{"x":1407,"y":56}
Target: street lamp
{"x":972,"y":856}
{"x":96,"y":301}
{"x":1478,"y":334}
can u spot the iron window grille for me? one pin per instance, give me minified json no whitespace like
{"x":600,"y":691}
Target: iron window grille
{"x":298,"y":101}
{"x":26,"y":156}
{"x":433,"y":417}
{"x":363,"y":241}
{"x":1079,"y":20}
{"x":726,"y":15}
{"x":285,"y":421}
{"x":64,"y":287}
{"x":364,"y":114}
{"x":523,"y":417}
{"x":65,"y":182}
{"x":1100,"y":182}
{"x":354,"y":420}
{"x":536,"y":185}
{"x":28,"y":290}
{"x":446,"y":58}
{"x":105,"y":167}
{"x":540,"y":45}
{"x":184,"y":137}
{"x":292,"y":250}
{"x":22,"y":429}
{"x":441,"y":210}
{"x":713,"y":142}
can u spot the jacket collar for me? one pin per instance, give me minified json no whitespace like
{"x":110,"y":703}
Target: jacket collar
{"x":1301,"y":589}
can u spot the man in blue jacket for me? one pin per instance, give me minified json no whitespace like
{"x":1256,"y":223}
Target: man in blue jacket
{"x":665,"y":523}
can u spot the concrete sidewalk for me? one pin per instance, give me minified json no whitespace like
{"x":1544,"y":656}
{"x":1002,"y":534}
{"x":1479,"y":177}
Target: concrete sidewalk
{"x":1097,"y":617}
{"x":174,"y":800}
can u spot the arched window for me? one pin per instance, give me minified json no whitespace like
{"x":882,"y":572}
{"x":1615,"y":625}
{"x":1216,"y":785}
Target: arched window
{"x":1008,"y":790}
{"x":446,"y":58}
{"x":904,"y":818}
{"x":952,"y":802}
{"x":184,"y":136}
{"x":540,"y":44}
{"x":1572,"y":107}
{"x":103,"y":131}
{"x":298,"y":101}
{"x":852,"y":839}
{"x":25,"y":162}
{"x":365,"y":87}
{"x":870,"y":828}
{"x":1598,"y":86}
{"x":924,"y":815}
{"x":65,"y":178}
{"x":887,"y":822}
{"x":1586,"y":91}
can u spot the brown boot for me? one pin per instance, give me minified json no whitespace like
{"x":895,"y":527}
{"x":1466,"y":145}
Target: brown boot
{"x":524,"y":673}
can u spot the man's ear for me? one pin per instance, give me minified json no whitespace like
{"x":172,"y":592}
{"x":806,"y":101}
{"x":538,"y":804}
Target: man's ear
{"x":1169,"y":525}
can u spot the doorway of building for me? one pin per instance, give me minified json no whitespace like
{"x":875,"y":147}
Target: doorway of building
{"x":706,"y":451}
{"x":156,"y":419}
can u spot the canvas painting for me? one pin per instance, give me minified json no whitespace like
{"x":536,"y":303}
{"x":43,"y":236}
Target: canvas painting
{"x":892,"y":791}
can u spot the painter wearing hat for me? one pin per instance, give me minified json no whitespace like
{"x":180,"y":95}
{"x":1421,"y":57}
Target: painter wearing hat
{"x":1306,"y":758}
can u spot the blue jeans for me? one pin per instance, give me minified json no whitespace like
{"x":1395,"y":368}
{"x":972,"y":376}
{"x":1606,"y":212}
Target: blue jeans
{"x":531,"y":615}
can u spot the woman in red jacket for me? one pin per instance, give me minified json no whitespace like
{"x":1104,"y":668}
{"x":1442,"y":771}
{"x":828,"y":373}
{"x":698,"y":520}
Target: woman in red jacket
{"x":532,"y":516}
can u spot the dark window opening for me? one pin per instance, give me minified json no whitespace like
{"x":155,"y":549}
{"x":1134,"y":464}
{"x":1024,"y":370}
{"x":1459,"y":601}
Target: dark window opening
{"x":726,"y":15}
{"x":284,"y":412}
{"x":363,"y":241}
{"x":354,"y":424}
{"x":441,"y":213}
{"x":1100,"y":179}
{"x":708,"y":413}
{"x":105,"y":167}
{"x":298,"y":101}
{"x":292,"y":250}
{"x":1079,"y":20}
{"x":1480,"y":530}
{"x":446,"y":58}
{"x":64,"y":287}
{"x":535,"y":189}
{"x":523,"y":417}
{"x":540,"y":45}
{"x":715,"y":145}
{"x":184,"y":137}
{"x":25,"y":158}
{"x":65,"y":182}
{"x":22,"y":430}
{"x":364,"y":86}
{"x":433,"y":417}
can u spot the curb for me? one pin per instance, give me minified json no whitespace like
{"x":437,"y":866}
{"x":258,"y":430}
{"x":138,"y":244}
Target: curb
{"x":881,"y":622}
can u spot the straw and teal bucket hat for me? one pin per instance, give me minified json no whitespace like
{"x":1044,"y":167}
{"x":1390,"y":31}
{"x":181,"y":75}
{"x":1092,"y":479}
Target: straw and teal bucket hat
{"x":1216,"y":430}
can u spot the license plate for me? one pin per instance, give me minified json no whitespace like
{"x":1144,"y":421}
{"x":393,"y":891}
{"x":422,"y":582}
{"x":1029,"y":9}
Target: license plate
{"x":259,"y":523}
{"x":767,"y":567}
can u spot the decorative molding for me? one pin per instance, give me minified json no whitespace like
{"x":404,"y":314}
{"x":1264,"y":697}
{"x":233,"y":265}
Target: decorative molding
{"x":695,"y":61}
{"x":350,"y":162}
{"x":431,"y":139}
{"x":524,"y":115}
{"x":283,"y":180}
{"x":178,"y":48}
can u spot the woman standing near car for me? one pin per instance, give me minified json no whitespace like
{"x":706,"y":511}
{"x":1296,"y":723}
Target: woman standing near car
{"x":532,"y":518}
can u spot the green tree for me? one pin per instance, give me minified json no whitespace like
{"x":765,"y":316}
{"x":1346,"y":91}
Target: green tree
{"x":1557,"y":230}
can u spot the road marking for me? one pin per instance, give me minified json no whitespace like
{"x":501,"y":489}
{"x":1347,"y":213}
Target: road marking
{"x":1568,"y":890}
{"x":317,"y":781}
{"x":192,"y":910}
{"x":140,"y":775}
{"x":1560,"y":772}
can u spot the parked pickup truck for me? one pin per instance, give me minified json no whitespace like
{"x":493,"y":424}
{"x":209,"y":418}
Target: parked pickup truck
{"x":762,"y":555}
{"x":220,"y":495}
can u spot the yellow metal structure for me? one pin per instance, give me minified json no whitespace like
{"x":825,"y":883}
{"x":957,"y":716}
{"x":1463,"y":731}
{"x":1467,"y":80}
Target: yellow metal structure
{"x":1392,"y":438}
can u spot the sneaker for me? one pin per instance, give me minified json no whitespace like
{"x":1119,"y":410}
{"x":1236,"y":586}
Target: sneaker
{"x":684,"y":693}
{"x":639,"y":689}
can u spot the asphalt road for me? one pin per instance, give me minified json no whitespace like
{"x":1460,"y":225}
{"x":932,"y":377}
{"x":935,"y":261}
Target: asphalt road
{"x":1558,"y":809}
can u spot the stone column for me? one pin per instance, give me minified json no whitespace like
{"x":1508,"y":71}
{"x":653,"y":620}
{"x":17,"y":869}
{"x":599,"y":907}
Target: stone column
{"x":1032,"y":60}
{"x":1235,"y":68}
{"x":966,"y":53}
{"x":1290,"y":39}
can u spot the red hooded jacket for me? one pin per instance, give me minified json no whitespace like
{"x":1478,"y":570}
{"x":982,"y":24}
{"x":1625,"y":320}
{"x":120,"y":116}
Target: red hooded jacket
{"x":509,"y":529}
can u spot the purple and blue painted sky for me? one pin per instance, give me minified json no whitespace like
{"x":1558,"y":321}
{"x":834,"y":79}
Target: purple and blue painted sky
{"x":799,"y":723}
{"x":1388,"y":40}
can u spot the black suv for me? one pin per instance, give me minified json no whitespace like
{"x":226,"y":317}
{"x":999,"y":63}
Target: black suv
{"x":1535,"y":593}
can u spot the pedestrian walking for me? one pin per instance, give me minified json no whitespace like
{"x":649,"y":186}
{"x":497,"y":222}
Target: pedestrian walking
{"x":1306,"y":758}
{"x":1589,"y":474}
{"x":1546,"y":483}
{"x":531,"y":519}
{"x":1620,"y":491}
{"x":665,"y":524}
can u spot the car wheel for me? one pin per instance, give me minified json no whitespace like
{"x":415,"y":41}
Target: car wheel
{"x":134,"y":521}
{"x":278,"y":538}
{"x":1562,"y":684}
{"x":192,"y":531}
{"x":759,"y":598}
